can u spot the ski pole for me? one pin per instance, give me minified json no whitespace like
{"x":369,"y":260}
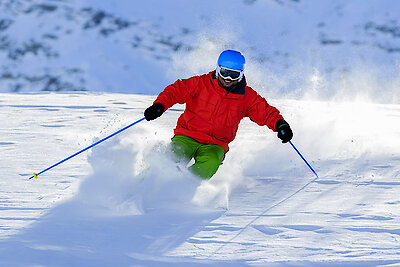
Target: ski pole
{"x":303,"y":159}
{"x":92,"y":145}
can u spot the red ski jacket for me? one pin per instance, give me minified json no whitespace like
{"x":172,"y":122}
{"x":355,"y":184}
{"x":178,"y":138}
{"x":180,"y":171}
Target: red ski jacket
{"x":212,"y":114}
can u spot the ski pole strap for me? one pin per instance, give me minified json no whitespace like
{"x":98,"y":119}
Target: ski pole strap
{"x":298,"y":152}
{"x":86,"y":148}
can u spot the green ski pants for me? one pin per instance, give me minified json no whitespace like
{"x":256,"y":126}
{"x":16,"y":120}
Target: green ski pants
{"x":207,"y":158}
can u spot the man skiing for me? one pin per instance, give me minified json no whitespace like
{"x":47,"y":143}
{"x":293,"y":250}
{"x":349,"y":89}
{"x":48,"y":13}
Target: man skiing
{"x":215,"y":104}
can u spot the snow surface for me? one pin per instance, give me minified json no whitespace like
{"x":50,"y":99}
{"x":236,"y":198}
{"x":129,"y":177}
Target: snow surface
{"x":330,"y":66}
{"x":125,"y":203}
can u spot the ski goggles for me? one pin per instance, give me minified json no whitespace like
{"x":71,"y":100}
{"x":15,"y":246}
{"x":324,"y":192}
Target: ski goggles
{"x":229,"y":73}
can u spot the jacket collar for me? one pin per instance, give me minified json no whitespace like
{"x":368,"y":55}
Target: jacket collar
{"x":238,"y":89}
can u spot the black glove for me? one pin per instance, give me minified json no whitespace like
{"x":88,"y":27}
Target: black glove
{"x":284,"y":131}
{"x":154,"y":111}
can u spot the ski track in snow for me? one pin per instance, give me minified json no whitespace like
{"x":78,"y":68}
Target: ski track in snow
{"x":263,"y":207}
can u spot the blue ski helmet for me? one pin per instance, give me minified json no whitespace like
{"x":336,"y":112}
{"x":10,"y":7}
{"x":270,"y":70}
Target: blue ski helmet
{"x":231,"y":59}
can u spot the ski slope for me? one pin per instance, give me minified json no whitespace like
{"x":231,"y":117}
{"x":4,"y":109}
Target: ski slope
{"x":124,"y":203}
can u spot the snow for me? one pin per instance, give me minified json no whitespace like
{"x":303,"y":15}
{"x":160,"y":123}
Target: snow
{"x":331,"y":67}
{"x":125,"y":203}
{"x":339,"y":47}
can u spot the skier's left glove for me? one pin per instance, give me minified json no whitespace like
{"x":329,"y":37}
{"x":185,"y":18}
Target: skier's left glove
{"x":284,"y":131}
{"x":154,"y":111}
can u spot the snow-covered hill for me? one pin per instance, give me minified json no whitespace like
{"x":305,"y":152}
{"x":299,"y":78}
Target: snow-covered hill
{"x":331,"y":67}
{"x":125,"y":203}
{"x":322,"y":49}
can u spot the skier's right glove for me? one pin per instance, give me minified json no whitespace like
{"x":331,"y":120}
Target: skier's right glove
{"x":284,"y":131}
{"x":154,"y":111}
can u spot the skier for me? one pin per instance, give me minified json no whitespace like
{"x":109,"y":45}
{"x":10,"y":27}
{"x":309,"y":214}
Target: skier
{"x":215,"y":104}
